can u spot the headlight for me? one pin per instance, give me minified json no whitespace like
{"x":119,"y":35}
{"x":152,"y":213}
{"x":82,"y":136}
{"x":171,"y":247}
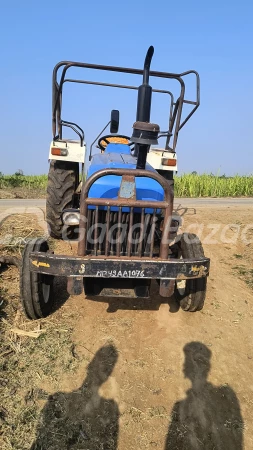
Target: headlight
{"x":71,"y":218}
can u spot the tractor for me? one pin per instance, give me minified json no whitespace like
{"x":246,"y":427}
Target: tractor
{"x":117,"y":204}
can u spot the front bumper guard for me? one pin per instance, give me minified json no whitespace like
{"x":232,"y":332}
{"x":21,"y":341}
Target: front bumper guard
{"x":112,"y":267}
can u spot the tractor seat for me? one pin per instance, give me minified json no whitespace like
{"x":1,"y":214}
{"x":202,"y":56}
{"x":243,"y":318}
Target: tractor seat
{"x":114,"y":140}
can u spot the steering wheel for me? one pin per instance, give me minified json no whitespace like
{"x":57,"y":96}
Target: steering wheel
{"x":111,"y":139}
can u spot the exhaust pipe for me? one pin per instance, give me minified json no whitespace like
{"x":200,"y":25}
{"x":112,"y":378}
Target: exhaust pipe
{"x":145,"y":91}
{"x":144,"y":132}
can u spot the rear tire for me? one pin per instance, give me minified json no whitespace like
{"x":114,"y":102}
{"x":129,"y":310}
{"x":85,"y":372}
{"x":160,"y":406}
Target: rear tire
{"x":191,"y":296}
{"x":36,"y":290}
{"x":169,"y":176}
{"x":63,"y":178}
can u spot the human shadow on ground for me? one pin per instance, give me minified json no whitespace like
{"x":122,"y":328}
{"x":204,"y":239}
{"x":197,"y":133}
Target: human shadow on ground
{"x":209,"y":417}
{"x":82,"y":419}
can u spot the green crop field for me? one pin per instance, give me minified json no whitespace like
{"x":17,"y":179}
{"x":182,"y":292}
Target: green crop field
{"x":26,"y":181}
{"x":190,"y":185}
{"x":187,"y":185}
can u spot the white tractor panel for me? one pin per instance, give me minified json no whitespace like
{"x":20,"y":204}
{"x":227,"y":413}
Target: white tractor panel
{"x":74,"y":151}
{"x":155,"y":157}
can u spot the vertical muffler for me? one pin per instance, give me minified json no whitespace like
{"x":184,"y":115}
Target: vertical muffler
{"x":145,"y":133}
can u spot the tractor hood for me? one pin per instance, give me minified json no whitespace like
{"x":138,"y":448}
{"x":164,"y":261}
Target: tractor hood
{"x":118,"y":156}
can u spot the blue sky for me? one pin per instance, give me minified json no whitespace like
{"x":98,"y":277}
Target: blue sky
{"x":215,"y":38}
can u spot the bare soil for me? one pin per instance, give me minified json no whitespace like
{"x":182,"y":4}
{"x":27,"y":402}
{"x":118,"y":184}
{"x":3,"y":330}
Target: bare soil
{"x":22,"y":192}
{"x":133,"y":374}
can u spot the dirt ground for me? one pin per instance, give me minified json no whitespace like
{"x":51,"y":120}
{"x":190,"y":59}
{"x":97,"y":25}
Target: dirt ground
{"x":135,"y":374}
{"x":22,"y":192}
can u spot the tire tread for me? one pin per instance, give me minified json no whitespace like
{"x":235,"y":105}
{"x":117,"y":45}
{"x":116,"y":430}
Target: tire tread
{"x":195,"y":293}
{"x":62,"y":182}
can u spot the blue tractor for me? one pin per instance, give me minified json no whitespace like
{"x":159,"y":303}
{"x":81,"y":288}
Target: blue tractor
{"x":119,"y":210}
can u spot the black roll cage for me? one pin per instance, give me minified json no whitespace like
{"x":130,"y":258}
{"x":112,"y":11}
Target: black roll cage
{"x":176,"y":107}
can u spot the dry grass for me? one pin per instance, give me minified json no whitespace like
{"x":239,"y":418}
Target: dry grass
{"x":243,"y":261}
{"x":245,"y":273}
{"x":27,"y":363}
{"x":14,"y":232}
{"x":32,"y":354}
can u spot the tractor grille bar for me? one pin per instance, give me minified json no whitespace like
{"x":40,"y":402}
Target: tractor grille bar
{"x":119,"y":233}
{"x":123,"y":226}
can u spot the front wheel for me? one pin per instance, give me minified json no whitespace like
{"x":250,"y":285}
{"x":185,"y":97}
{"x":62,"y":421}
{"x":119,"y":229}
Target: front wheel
{"x":36,"y":290}
{"x":190,"y":293}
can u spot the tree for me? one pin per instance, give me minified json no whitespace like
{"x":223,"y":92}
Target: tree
{"x":19,"y":173}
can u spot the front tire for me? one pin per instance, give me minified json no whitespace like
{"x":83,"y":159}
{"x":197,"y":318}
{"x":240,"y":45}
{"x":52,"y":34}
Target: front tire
{"x":190,"y":293}
{"x":36,"y":290}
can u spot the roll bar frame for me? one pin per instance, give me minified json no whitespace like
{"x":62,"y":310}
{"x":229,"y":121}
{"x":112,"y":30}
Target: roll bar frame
{"x":175,"y":108}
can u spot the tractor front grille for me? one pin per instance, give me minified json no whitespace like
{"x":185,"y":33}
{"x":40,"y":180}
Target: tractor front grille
{"x":119,"y":233}
{"x":125,"y":226}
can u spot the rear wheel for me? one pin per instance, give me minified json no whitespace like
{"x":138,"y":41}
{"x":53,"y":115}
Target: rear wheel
{"x":36,"y":290}
{"x":190,"y":293}
{"x":169,"y":176}
{"x":63,"y":178}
